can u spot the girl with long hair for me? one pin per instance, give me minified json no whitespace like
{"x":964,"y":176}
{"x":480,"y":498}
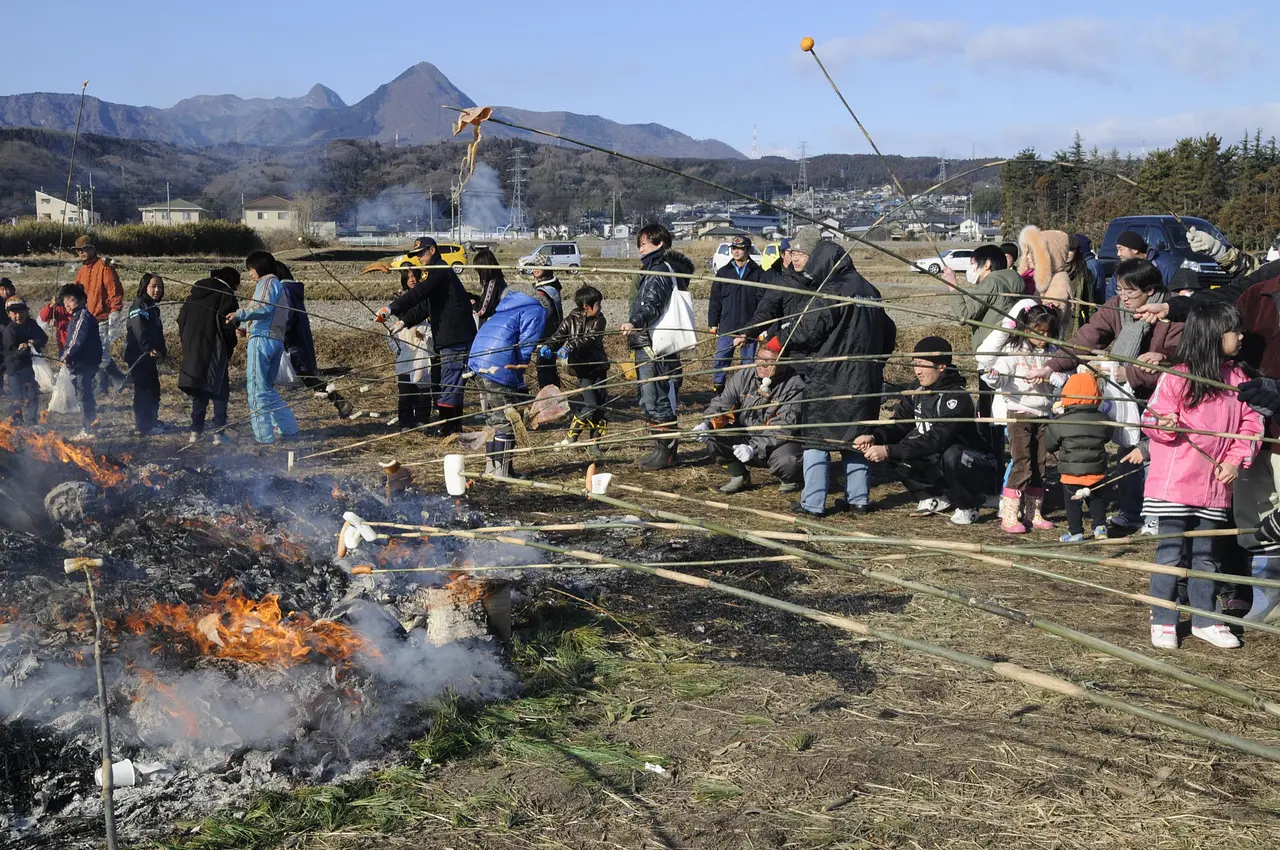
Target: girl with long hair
{"x":493,"y":283}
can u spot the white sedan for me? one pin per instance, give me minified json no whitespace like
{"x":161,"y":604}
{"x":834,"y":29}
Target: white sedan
{"x":957,"y":259}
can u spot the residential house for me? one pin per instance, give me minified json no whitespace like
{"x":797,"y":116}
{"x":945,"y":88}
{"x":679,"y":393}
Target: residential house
{"x":175,"y":211}
{"x":720,"y":234}
{"x":712,"y":222}
{"x":271,"y":213}
{"x":49,"y":208}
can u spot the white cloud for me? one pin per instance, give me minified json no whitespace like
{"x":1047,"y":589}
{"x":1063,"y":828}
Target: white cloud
{"x":1130,"y":134}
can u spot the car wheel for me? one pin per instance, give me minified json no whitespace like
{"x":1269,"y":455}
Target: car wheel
{"x":574,"y":267}
{"x":934,"y":268}
{"x":457,"y":267}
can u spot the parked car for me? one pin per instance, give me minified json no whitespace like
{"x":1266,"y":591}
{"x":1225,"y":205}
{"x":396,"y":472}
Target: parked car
{"x":1167,"y":235}
{"x":454,"y":255}
{"x":722,"y":256}
{"x":1274,"y":253}
{"x":559,"y":253}
{"x":956,"y":259}
{"x":772,"y":254}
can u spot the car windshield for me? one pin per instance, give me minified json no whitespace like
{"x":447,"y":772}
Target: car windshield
{"x":724,"y":249}
{"x":1178,"y":232}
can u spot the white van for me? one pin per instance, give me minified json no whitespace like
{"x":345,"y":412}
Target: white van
{"x":564,"y":254}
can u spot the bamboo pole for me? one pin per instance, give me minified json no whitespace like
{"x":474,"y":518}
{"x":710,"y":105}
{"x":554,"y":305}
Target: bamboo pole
{"x":1005,"y":670}
{"x":1239,"y":695}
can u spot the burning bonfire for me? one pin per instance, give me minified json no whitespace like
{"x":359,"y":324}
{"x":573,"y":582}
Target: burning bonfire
{"x":51,"y":448}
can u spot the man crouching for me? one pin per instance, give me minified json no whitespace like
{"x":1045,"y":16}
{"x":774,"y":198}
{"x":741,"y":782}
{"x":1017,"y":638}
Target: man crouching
{"x":936,"y":449}
{"x":767,"y":394}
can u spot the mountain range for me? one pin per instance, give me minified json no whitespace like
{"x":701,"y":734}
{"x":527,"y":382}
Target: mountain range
{"x":407,"y":109}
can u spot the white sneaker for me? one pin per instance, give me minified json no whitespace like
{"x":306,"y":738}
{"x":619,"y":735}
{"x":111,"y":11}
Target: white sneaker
{"x":1164,"y":637}
{"x":964,"y":516}
{"x":192,"y":438}
{"x":933,"y":506}
{"x":217,"y":439}
{"x":567,"y":441}
{"x":1218,"y":635}
{"x":1151,"y":526}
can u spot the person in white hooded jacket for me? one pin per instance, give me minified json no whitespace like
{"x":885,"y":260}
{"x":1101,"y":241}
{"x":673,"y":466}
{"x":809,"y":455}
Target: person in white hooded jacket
{"x":1015,"y":366}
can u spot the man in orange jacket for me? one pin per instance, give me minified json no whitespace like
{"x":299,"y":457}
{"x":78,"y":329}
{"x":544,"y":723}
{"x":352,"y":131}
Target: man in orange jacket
{"x":105,"y":299}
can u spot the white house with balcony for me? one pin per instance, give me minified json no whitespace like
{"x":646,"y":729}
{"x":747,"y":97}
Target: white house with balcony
{"x":49,"y":208}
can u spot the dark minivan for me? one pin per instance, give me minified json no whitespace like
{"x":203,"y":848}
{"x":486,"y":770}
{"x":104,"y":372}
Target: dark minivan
{"x":1168,"y":236}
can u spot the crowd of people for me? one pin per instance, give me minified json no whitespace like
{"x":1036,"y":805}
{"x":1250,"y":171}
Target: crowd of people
{"x":1069,"y":362}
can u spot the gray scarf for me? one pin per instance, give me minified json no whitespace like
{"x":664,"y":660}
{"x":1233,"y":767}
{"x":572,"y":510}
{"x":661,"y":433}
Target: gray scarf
{"x":1134,"y":331}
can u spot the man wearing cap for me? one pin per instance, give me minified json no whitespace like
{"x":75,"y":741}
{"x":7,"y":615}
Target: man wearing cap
{"x":19,"y":339}
{"x":731,"y":308}
{"x":776,"y":311}
{"x":105,"y":301}
{"x":1131,"y":246}
{"x":440,"y":299}
{"x":768,"y":395}
{"x":943,"y":464}
{"x":547,"y":291}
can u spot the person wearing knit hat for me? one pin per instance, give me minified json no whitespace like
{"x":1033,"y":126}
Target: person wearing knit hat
{"x":19,"y":339}
{"x":1078,"y":436}
{"x":934,"y":446}
{"x":803,"y":245}
{"x":767,"y":394}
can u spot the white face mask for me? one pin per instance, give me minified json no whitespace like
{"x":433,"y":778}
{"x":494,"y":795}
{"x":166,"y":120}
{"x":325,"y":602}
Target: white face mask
{"x":971,"y":274}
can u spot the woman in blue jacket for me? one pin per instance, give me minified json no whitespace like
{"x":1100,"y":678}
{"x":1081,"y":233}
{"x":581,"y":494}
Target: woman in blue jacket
{"x":499,"y":354}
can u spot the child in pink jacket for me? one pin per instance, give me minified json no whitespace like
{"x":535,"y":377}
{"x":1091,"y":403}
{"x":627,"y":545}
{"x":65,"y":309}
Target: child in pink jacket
{"x":1189,"y":481}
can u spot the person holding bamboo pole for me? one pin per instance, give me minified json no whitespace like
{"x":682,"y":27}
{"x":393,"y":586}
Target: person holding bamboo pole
{"x":1189,"y":483}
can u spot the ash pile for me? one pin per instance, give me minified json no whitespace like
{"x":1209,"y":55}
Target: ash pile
{"x":241,"y":654}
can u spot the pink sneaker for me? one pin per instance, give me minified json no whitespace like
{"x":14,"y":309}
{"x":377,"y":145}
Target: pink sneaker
{"x":1164,"y":637}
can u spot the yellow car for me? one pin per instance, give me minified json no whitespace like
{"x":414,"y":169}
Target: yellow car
{"x":453,"y":255}
{"x":772,"y":253}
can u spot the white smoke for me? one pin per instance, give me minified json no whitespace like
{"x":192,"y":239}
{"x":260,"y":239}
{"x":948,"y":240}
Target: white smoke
{"x":482,"y":206}
{"x":402,"y":208}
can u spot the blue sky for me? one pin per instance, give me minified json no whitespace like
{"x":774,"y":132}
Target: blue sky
{"x":994,"y":77}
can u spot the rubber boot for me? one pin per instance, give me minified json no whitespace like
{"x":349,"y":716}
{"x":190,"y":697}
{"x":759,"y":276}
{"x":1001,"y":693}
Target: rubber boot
{"x":503,"y":463}
{"x":663,"y":455}
{"x":450,"y":422}
{"x":1010,"y":512}
{"x":739,"y":478}
{"x":596,"y":433}
{"x":575,"y":430}
{"x":1031,"y":516}
{"x":1265,"y":599}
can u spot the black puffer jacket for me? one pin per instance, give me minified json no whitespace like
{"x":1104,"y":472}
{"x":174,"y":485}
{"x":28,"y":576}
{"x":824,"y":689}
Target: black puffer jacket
{"x":583,"y":340}
{"x":1081,"y":448}
{"x":947,"y":399}
{"x":441,"y":299}
{"x":776,"y":312}
{"x":733,"y":303}
{"x":654,"y":290}
{"x":839,"y":332}
{"x":144,"y":333}
{"x":17,"y":361}
{"x":207,"y":340}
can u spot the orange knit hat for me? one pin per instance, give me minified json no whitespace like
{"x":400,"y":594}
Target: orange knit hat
{"x":1081,"y":388}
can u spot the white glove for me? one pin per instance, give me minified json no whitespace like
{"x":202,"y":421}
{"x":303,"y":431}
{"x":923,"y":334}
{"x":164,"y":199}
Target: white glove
{"x":744,"y":452}
{"x":700,"y":431}
{"x":1203,"y":243}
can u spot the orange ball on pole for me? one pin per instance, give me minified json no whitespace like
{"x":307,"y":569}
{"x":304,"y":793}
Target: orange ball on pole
{"x":806,"y":44}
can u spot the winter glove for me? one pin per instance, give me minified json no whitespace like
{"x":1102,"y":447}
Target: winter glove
{"x":744,"y":452}
{"x":1269,"y":528}
{"x":1262,"y":394}
{"x":700,"y":431}
{"x":1203,"y":243}
{"x":545,"y":353}
{"x":563,"y":354}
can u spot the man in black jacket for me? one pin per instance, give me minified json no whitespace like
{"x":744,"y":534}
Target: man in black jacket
{"x":731,"y":307}
{"x":944,"y":465}
{"x":440,"y":299}
{"x":657,"y":400}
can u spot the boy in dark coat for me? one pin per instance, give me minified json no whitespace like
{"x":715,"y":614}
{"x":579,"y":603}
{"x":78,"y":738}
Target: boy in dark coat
{"x":207,"y":344}
{"x":1081,"y":448}
{"x":143,"y":348}
{"x":300,"y":346}
{"x":83,"y":354}
{"x":579,"y":342}
{"x":20,"y":336}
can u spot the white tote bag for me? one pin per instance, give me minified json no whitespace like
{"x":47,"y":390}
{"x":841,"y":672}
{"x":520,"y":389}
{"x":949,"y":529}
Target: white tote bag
{"x":675,"y":330}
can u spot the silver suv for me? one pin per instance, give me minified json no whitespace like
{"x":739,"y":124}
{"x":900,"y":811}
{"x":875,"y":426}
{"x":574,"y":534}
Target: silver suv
{"x":559,"y":253}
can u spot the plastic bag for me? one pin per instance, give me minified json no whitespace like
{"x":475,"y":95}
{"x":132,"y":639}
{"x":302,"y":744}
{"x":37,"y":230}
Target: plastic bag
{"x":285,"y":375}
{"x":64,"y":394}
{"x":675,"y":330}
{"x":44,"y":373}
{"x":550,"y":406}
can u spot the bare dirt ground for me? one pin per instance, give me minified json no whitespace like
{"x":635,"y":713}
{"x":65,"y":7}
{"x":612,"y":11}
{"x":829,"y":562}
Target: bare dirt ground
{"x":770,"y":731}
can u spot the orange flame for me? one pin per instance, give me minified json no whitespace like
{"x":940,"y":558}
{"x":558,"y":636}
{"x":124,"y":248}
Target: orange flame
{"x":463,"y":590}
{"x":171,"y":702}
{"x":232,"y":626}
{"x":51,"y":449}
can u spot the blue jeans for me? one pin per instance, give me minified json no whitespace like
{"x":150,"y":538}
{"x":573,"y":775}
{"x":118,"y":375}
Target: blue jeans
{"x":1129,"y":491}
{"x":856,"y":489}
{"x":1197,"y":553}
{"x":724,"y":356}
{"x":452,"y":360}
{"x":656,"y":397}
{"x":267,"y":410}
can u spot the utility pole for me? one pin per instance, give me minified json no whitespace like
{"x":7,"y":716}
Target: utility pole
{"x":90,"y":199}
{"x":242,"y":221}
{"x":755,"y":149}
{"x":802,"y":184}
{"x":455,"y":217}
{"x":431,"y":205}
{"x":517,"y":190}
{"x":613,"y":211}
{"x":168,"y":211}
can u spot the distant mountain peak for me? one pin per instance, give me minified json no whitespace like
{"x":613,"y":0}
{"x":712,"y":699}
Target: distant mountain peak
{"x":323,"y":97}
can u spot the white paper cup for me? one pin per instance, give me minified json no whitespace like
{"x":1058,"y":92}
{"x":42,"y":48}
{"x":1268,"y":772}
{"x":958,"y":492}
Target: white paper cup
{"x":122,"y":774}
{"x":455,"y":478}
{"x":600,"y":483}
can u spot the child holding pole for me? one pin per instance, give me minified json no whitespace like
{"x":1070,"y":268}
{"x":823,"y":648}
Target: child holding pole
{"x":1016,"y":365}
{"x":83,"y":354}
{"x":1189,"y":481}
{"x":579,"y":342}
{"x":144,"y":347}
{"x":21,"y":337}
